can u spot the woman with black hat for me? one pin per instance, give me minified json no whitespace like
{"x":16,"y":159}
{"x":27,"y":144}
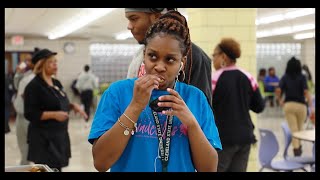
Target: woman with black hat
{"x":47,"y":107}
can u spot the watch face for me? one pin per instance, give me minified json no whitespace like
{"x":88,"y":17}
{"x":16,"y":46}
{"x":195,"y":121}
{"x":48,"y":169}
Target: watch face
{"x":69,"y":47}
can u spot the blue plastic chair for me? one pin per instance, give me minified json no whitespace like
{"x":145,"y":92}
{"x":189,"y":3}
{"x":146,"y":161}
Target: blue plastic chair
{"x":313,"y":167}
{"x":306,"y":160}
{"x":269,"y":148}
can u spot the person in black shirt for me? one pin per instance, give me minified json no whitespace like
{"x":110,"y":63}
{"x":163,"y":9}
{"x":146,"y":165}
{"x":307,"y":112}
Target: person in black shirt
{"x":46,"y":106}
{"x":235,"y":92}
{"x":294,"y":85}
{"x":198,"y":66}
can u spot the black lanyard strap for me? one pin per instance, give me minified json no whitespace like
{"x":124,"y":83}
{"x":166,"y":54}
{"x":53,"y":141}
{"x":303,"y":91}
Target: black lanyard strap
{"x":164,"y":148}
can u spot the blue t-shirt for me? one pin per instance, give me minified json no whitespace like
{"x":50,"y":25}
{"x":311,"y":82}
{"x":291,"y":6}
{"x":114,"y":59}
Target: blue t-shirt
{"x":140,"y":154}
{"x":268,"y":80}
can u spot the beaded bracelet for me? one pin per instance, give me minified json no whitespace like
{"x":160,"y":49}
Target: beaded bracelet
{"x":127,"y":129}
{"x":134,"y":123}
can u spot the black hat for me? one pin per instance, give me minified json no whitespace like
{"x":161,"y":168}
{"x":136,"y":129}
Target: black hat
{"x":43,"y":53}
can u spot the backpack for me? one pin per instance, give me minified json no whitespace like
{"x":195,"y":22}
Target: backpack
{"x":74,"y":89}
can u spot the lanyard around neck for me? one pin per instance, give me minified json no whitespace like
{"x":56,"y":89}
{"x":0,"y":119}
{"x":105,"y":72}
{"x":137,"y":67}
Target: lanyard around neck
{"x":164,"y":148}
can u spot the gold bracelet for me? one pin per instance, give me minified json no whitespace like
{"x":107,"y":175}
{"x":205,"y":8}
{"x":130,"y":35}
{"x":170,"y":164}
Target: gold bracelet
{"x":126,"y":128}
{"x":134,"y":123}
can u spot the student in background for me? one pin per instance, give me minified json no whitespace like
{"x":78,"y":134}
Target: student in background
{"x":86,"y":83}
{"x":235,"y":93}
{"x":294,"y":85}
{"x":261,"y":77}
{"x":21,"y":122}
{"x":311,"y":87}
{"x":198,"y":66}
{"x":271,"y":82}
{"x":7,"y":105}
{"x":22,"y":68}
{"x":307,"y":74}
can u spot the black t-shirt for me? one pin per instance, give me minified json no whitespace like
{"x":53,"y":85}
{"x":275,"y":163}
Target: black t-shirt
{"x":293,"y":88}
{"x":48,"y":140}
{"x":232,"y":99}
{"x":40,"y":97}
{"x":200,"y":71}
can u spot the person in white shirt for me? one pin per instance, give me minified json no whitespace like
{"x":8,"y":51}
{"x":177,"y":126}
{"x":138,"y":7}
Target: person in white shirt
{"x":86,"y":83}
{"x":26,"y":75}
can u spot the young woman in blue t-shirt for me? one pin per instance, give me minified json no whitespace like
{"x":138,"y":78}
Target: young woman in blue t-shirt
{"x":131,"y":131}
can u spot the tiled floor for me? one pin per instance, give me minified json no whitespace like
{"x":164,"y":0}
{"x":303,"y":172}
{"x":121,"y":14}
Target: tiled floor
{"x":271,"y":119}
{"x":81,"y":159}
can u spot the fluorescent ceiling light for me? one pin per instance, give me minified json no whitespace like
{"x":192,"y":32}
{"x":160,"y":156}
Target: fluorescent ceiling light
{"x":303,"y":27}
{"x":124,"y":35}
{"x":83,"y":18}
{"x":270,"y":19}
{"x":304,"y":35}
{"x":263,"y":34}
{"x":285,"y":16}
{"x":299,"y":13}
{"x":284,"y":30}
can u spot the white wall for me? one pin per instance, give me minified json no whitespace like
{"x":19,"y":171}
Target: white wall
{"x":307,"y":50}
{"x":69,"y":65}
{"x":308,"y":56}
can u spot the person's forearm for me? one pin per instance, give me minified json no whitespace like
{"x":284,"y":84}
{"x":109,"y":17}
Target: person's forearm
{"x":74,"y":107}
{"x":278,"y":94}
{"x":204,"y":156}
{"x":48,"y":115}
{"x":109,"y":147}
{"x":308,"y":97}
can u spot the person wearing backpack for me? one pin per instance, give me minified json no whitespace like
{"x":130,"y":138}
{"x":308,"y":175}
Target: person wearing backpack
{"x":86,"y":83}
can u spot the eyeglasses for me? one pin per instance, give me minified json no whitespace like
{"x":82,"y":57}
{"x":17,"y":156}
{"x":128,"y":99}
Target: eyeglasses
{"x":215,"y":54}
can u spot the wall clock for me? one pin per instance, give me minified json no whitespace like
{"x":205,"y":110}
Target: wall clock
{"x":69,"y":48}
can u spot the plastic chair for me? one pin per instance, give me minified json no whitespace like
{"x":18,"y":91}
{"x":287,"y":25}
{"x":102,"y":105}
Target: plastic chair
{"x":287,"y":139}
{"x":313,"y":167}
{"x":269,"y":148}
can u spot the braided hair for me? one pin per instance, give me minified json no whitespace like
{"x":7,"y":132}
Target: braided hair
{"x":175,"y":24}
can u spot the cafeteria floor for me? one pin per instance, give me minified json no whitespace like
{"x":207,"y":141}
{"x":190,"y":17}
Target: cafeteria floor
{"x":81,"y":160}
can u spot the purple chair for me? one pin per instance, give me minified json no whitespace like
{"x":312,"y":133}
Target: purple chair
{"x":268,"y":149}
{"x":306,"y":160}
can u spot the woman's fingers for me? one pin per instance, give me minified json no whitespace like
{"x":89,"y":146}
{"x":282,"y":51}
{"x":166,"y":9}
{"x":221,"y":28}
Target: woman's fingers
{"x":148,"y":82}
{"x":173,"y":97}
{"x":173,"y":101}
